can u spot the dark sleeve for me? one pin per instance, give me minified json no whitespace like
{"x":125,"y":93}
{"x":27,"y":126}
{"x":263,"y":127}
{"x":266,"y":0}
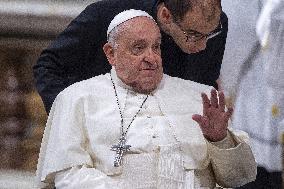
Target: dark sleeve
{"x":61,"y":64}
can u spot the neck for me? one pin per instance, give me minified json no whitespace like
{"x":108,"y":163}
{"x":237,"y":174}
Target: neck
{"x":130,"y":86}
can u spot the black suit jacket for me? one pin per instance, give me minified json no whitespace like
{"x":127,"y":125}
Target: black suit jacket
{"x":77,"y":52}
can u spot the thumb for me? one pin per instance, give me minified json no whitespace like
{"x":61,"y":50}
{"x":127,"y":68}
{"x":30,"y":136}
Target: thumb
{"x":197,"y":118}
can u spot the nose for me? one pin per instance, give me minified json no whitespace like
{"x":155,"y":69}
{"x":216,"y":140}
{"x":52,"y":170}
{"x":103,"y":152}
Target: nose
{"x":201,"y":45}
{"x":150,"y":57}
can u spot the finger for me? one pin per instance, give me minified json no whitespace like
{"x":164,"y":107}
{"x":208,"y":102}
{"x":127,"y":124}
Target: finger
{"x":205,"y":102}
{"x":221,"y":101}
{"x":197,"y":118}
{"x":214,"y":99}
{"x":229,"y":113}
{"x":201,"y":120}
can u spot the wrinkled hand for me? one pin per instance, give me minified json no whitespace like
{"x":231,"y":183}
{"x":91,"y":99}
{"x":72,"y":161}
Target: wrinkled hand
{"x":214,"y":121}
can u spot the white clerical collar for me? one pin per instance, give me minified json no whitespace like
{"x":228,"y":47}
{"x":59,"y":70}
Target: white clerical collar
{"x":120,"y":83}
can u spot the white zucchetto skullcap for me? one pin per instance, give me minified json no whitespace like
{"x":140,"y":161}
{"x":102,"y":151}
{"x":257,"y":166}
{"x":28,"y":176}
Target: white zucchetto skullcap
{"x":124,"y":16}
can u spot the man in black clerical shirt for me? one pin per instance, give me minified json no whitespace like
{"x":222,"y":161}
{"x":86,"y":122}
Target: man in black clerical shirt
{"x":193,"y":41}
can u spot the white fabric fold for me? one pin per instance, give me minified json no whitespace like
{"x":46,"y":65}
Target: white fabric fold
{"x":84,"y":178}
{"x":171,"y":172}
{"x":193,"y":144}
{"x":263,"y":25}
{"x":84,"y":123}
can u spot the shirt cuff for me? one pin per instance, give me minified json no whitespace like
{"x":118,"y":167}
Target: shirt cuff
{"x":226,"y":143}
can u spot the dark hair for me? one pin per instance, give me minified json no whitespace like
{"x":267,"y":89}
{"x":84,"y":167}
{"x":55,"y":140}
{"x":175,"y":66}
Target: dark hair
{"x":178,"y":8}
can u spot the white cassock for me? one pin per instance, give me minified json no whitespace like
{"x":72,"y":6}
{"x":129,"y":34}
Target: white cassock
{"x":168,"y":149}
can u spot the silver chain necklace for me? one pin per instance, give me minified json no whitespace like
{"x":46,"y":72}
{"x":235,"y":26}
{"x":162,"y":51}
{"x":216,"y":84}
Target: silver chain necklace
{"x":121,"y":147}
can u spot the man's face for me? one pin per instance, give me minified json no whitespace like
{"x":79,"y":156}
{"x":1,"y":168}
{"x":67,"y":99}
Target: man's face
{"x":192,"y":32}
{"x":137,"y":58}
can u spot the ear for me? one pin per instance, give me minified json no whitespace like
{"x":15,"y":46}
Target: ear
{"x":109,"y":52}
{"x":164,"y":15}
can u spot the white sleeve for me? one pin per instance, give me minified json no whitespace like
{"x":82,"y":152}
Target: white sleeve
{"x":84,"y":178}
{"x":65,"y":143}
{"x":234,"y":166}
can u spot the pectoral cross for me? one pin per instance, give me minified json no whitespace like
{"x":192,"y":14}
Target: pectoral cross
{"x":120,"y":148}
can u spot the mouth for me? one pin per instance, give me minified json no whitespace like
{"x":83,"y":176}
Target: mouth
{"x":149,"y":71}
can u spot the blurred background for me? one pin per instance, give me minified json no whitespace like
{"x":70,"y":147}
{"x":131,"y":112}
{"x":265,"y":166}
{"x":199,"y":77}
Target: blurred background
{"x":26,"y":27}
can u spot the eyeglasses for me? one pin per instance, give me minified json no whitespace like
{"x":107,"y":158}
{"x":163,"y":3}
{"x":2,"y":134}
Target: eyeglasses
{"x":194,"y":36}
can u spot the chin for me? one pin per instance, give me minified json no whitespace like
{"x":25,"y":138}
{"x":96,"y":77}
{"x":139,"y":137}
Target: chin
{"x":190,"y":50}
{"x":146,"y":85}
{"x":193,"y":52}
{"x":146,"y":89}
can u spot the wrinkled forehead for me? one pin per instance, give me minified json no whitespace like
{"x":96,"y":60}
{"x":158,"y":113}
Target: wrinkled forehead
{"x":138,"y":21}
{"x":139,"y":26}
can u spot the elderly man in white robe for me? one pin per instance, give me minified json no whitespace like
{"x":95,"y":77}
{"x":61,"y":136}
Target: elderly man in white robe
{"x":138,"y":128}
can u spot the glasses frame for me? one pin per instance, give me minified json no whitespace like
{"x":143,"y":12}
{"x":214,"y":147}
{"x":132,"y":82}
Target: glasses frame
{"x":194,"y":38}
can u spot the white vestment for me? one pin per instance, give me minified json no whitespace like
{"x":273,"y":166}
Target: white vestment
{"x":167,"y":150}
